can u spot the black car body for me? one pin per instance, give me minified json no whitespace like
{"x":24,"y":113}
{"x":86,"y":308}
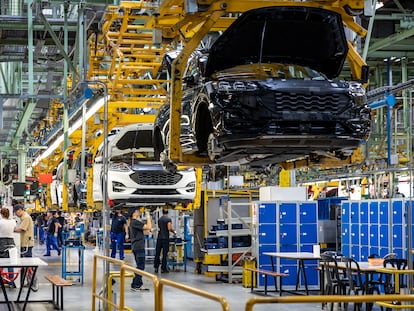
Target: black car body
{"x":264,"y":92}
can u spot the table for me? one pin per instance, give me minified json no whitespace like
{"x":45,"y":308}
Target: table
{"x":300,"y":257}
{"x":24,"y":264}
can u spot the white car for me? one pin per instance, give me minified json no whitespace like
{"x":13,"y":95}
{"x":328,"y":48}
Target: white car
{"x":135,"y":175}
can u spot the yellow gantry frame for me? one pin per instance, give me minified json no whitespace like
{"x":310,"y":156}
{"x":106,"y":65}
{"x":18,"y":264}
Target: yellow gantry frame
{"x":125,"y":57}
{"x":205,"y":21}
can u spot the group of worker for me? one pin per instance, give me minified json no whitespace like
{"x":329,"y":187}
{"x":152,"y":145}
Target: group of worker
{"x":135,"y":229}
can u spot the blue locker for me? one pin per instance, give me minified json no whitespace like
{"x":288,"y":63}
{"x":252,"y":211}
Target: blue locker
{"x":287,"y":213}
{"x":266,"y":248}
{"x":375,"y":250}
{"x":307,"y":212}
{"x":308,"y":233}
{"x":355,"y":249}
{"x":373,"y":212}
{"x":288,"y":234}
{"x":270,"y":280}
{"x":373,"y":236}
{"x":355,"y":234}
{"x":292,"y":270}
{"x":384,"y":251}
{"x":267,"y":233}
{"x":364,"y":253}
{"x":397,"y":236}
{"x":384,"y":236}
{"x":345,"y":234}
{"x":354,"y":212}
{"x":400,"y":252}
{"x":306,"y":247}
{"x":312,"y":274}
{"x":363,"y":212}
{"x":288,"y":248}
{"x":397,"y":212}
{"x":364,"y":234}
{"x":345,"y":212}
{"x":267,"y":213}
{"x":384,"y":212}
{"x":346,"y":250}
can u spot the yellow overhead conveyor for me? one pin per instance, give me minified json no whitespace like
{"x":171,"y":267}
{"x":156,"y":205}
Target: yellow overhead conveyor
{"x":127,"y":56}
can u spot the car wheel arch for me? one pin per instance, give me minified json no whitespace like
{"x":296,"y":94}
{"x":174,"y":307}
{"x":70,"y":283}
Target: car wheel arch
{"x":203,"y":125}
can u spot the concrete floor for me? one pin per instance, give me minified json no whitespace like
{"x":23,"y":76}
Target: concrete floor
{"x":79,"y":296}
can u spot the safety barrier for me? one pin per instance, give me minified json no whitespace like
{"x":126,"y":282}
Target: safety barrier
{"x":98,"y":295}
{"x":326,"y":298}
{"x":158,"y":286}
{"x":113,"y":275}
{"x":165,"y":282}
{"x":154,"y":279}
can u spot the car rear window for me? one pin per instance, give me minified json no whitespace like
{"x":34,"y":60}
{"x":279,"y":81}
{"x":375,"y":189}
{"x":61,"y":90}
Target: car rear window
{"x":135,"y":139}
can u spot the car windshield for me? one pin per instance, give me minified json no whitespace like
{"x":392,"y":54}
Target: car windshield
{"x":134,"y":157}
{"x":271,"y":70}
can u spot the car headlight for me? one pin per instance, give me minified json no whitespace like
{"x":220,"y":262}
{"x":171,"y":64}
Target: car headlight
{"x":235,"y":86}
{"x":191,"y":186}
{"x":119,"y":167}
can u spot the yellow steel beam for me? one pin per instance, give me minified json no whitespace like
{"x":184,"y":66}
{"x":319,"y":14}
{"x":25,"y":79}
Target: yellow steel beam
{"x":179,"y":65}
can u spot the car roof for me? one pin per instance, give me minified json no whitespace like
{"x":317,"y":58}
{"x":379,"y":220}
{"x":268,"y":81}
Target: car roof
{"x":306,"y":36}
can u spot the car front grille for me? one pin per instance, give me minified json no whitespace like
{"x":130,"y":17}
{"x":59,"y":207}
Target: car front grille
{"x":296,"y":102}
{"x":150,"y":178}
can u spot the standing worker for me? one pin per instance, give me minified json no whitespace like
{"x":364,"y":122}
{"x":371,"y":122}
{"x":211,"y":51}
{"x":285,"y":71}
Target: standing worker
{"x":119,"y":228}
{"x":26,"y":229}
{"x":137,"y":230}
{"x":52,"y":233}
{"x":163,"y":241}
{"x":7,"y":226}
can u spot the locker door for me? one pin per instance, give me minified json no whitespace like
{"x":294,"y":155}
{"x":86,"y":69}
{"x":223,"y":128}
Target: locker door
{"x":308,"y":233}
{"x":267,"y":233}
{"x":287,"y":213}
{"x":308,"y":212}
{"x":346,"y":212}
{"x":355,"y":212}
{"x":397,"y":212}
{"x":373,"y":212}
{"x":373,"y":235}
{"x":384,"y":236}
{"x":364,"y":234}
{"x":397,"y":236}
{"x":363,"y":212}
{"x":267,"y":213}
{"x":384,"y":212}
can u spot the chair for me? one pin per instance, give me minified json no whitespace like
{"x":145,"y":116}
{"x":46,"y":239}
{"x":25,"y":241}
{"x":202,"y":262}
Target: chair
{"x":389,"y":283}
{"x":378,"y":284}
{"x":356,"y":281}
{"x":335,"y":282}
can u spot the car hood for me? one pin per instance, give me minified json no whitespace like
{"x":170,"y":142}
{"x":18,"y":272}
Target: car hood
{"x":305,"y":36}
{"x":132,"y":138}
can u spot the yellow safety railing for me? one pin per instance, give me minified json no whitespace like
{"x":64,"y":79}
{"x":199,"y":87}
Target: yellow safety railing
{"x":328,"y":298}
{"x":165,"y":282}
{"x":123,"y":274}
{"x":116,"y":274}
{"x":96,"y":295}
